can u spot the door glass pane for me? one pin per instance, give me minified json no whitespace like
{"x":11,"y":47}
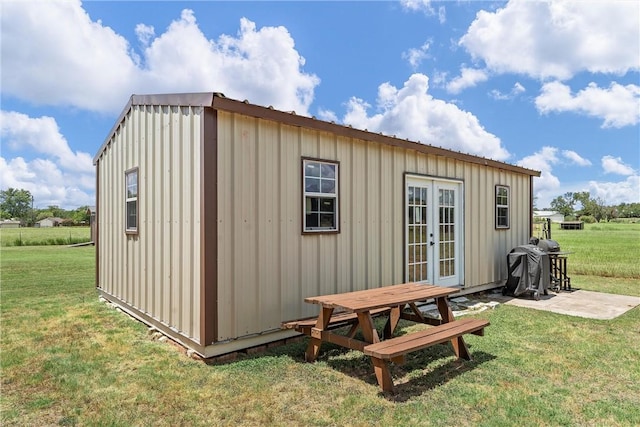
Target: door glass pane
{"x":446,"y":226}
{"x":417,"y":234}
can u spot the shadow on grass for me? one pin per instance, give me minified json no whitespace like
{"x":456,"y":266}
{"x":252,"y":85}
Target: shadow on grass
{"x":422,"y":371}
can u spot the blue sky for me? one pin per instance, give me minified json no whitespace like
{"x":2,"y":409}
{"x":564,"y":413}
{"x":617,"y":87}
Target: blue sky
{"x":550,"y":85}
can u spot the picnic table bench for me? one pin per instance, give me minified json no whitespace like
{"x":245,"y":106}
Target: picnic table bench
{"x":337,"y":320}
{"x":358,"y":308}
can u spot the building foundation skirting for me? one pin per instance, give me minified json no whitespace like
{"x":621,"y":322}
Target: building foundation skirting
{"x":212,"y":350}
{"x":479,"y":288}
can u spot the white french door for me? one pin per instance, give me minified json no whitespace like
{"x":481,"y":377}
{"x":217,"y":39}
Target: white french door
{"x":434,"y":231}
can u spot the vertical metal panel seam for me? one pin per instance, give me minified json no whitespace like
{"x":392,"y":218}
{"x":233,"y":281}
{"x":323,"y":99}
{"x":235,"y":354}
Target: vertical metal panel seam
{"x":172,"y":228}
{"x":351,"y":214}
{"x":256,"y":217}
{"x":96,"y":225}
{"x":152,"y":227}
{"x":232,"y":222}
{"x":298,"y":132}
{"x":336,"y":240}
{"x":318,"y":241}
{"x":279,"y":216}
{"x":179,"y":223}
{"x":367,"y":215}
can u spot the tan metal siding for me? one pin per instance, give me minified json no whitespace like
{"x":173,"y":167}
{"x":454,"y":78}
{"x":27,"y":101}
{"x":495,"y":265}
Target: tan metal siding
{"x":266,"y":266}
{"x":290,"y":217}
{"x":156,"y":272}
{"x":485,"y":247}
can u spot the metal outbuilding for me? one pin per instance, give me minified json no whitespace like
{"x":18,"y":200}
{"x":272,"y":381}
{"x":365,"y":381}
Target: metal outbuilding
{"x":554,"y":216}
{"x":9,"y":223}
{"x":49,"y":222}
{"x":217,"y":217}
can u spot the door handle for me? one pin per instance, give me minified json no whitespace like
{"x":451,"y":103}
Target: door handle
{"x":432,"y":243}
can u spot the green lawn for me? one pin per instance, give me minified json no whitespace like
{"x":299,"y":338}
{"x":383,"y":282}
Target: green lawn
{"x":31,"y":236}
{"x":68,"y":359}
{"x":605,"y":249}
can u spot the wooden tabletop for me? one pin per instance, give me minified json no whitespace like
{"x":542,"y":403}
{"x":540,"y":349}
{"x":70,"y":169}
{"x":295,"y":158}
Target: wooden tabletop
{"x":387,"y":296}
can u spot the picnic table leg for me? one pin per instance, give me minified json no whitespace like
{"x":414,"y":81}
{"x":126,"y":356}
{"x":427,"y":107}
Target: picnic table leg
{"x":370,"y":334}
{"x":313,"y":349}
{"x":383,"y":374}
{"x":369,"y":331}
{"x":392,"y":322}
{"x":459,"y":347}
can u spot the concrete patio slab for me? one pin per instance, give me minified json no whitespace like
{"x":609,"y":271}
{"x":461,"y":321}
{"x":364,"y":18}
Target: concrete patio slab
{"x":592,"y":305}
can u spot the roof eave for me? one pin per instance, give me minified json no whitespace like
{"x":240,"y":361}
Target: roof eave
{"x":218,"y":101}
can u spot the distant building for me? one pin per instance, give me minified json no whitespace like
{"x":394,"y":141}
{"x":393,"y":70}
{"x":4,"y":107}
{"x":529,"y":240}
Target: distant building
{"x":10,"y":223}
{"x":49,"y":222}
{"x":555,"y":216}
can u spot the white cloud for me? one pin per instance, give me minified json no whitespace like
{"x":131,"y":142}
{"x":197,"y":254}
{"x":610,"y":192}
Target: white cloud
{"x":64,"y":178}
{"x":53,"y":54}
{"x":469,"y":77}
{"x":516,"y":90}
{"x":327,"y":115}
{"x":145,"y":34}
{"x":418,"y":6}
{"x":615,"y":165}
{"x":543,"y":161}
{"x":576,"y":158}
{"x":614,"y":193}
{"x":557,"y":38}
{"x":96,"y":68}
{"x":548,"y":186}
{"x":617,"y":105}
{"x":42,"y":134}
{"x":411,"y":112}
{"x":442,"y":15}
{"x":425,"y":7}
{"x":47,"y":183}
{"x":415,"y":56}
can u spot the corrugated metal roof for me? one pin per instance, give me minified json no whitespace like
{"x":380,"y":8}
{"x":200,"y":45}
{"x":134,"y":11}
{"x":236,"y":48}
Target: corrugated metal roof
{"x":218,"y":101}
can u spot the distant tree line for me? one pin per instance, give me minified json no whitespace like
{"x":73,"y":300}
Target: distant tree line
{"x":18,"y":204}
{"x":581,"y":205}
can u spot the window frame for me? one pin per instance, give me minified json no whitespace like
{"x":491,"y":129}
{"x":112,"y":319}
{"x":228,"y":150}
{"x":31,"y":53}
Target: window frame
{"x":335,"y":196}
{"x":127,"y":200}
{"x":500,"y":206}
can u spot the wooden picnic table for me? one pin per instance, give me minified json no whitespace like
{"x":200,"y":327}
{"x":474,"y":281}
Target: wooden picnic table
{"x":358,"y":309}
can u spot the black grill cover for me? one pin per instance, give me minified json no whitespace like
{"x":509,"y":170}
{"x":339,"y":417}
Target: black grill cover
{"x":528,"y":270}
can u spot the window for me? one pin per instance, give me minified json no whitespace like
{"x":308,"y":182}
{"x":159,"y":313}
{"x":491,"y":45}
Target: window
{"x":502,"y":206}
{"x":131,"y":201}
{"x":320,"y":196}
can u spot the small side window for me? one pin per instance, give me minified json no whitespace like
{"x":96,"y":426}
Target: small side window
{"x":320,"y":196}
{"x":131,"y":201}
{"x":502,"y":206}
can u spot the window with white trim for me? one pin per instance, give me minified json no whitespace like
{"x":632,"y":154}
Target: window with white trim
{"x":320,"y":196}
{"x":131,"y":201}
{"x":502,"y":206}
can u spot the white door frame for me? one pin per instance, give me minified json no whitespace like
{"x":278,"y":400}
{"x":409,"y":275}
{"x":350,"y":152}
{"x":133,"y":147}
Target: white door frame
{"x":434,"y":230}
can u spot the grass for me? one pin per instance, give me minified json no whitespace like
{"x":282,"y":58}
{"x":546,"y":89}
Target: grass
{"x":68,"y":359}
{"x":604,"y":249}
{"x":30,"y":236}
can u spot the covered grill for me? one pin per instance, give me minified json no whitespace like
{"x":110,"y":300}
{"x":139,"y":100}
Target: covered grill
{"x":529,"y":271}
{"x":549,"y":245}
{"x":557,"y":264}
